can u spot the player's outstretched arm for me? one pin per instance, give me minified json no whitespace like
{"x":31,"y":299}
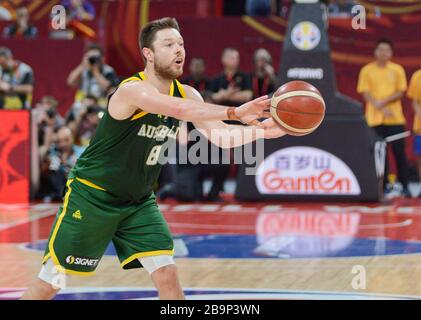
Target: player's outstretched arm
{"x":139,"y":95}
{"x":231,"y":136}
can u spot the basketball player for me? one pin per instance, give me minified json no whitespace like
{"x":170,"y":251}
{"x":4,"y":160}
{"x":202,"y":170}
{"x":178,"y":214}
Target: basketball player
{"x":109,"y":191}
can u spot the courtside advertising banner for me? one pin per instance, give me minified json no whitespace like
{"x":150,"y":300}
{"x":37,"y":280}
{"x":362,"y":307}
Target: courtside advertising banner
{"x":14,"y":156}
{"x":305,"y":170}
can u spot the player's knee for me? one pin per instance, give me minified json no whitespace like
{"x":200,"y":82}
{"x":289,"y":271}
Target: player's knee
{"x":168,"y":270}
{"x":166,"y":274}
{"x":46,"y":290}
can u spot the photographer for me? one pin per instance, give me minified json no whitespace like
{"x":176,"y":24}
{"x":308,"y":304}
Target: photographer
{"x":16,"y":82}
{"x":92,"y":76}
{"x":47,"y":119}
{"x":84,"y":122}
{"x":78,"y":108}
{"x":56,"y":164}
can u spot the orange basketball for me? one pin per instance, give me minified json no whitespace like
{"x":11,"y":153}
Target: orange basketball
{"x":298,"y":107}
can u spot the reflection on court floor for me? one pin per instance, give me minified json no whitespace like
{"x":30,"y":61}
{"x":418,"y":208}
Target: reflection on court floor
{"x":279,"y":247}
{"x":243,"y":251}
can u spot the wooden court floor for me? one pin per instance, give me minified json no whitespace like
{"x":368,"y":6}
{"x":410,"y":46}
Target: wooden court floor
{"x":234,"y":250}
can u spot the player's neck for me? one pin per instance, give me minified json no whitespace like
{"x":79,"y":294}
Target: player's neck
{"x":163,"y":85}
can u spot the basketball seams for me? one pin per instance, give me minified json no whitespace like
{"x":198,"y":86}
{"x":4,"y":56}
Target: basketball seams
{"x":310,"y":126}
{"x":296,"y":93}
{"x":298,"y":112}
{"x":276,"y":99}
{"x":288,"y":127}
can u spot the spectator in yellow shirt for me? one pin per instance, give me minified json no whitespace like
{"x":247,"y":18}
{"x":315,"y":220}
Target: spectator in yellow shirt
{"x":382,"y":84}
{"x":414,"y":93}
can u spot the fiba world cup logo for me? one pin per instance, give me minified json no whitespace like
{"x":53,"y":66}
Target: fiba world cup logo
{"x":305,"y":36}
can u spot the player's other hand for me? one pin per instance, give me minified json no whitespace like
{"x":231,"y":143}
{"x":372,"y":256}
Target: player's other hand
{"x":272,"y":129}
{"x":250,"y":112}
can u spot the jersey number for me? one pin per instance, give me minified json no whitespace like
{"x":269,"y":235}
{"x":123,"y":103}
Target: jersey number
{"x":154,"y":156}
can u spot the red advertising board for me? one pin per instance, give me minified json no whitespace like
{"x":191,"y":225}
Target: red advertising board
{"x":14,"y":156}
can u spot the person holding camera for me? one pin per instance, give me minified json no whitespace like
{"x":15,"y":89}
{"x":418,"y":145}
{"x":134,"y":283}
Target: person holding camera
{"x":92,"y":76}
{"x":16,"y":82}
{"x":56,"y":163}
{"x":48,"y":119}
{"x":83,"y":119}
{"x":86,"y":123}
{"x":73,"y":114}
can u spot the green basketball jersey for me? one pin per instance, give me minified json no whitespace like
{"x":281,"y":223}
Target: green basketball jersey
{"x":122,"y":157}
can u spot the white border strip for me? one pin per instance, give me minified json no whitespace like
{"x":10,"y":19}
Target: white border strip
{"x":332,"y":294}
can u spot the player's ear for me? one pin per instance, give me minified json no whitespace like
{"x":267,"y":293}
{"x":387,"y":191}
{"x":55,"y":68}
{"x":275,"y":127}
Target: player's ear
{"x":148,"y":54}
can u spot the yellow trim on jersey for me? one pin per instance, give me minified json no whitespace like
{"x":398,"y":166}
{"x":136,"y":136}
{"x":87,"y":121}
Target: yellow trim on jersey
{"x":146,"y":254}
{"x":90,"y":184}
{"x":54,"y":234}
{"x":47,"y":256}
{"x":180,"y":88}
{"x":179,"y":85}
{"x":138,"y":115}
{"x":143,"y":77}
{"x":129,"y":79}
{"x":172,"y":89}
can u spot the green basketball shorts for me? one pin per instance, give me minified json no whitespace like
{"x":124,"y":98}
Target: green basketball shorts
{"x":90,"y":218}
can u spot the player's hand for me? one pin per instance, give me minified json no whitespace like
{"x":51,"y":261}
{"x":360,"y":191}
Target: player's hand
{"x":272,"y":129}
{"x":250,"y":112}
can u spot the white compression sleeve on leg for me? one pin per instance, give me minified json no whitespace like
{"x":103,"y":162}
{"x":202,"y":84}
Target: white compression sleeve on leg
{"x":50,"y":274}
{"x":155,"y":262}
